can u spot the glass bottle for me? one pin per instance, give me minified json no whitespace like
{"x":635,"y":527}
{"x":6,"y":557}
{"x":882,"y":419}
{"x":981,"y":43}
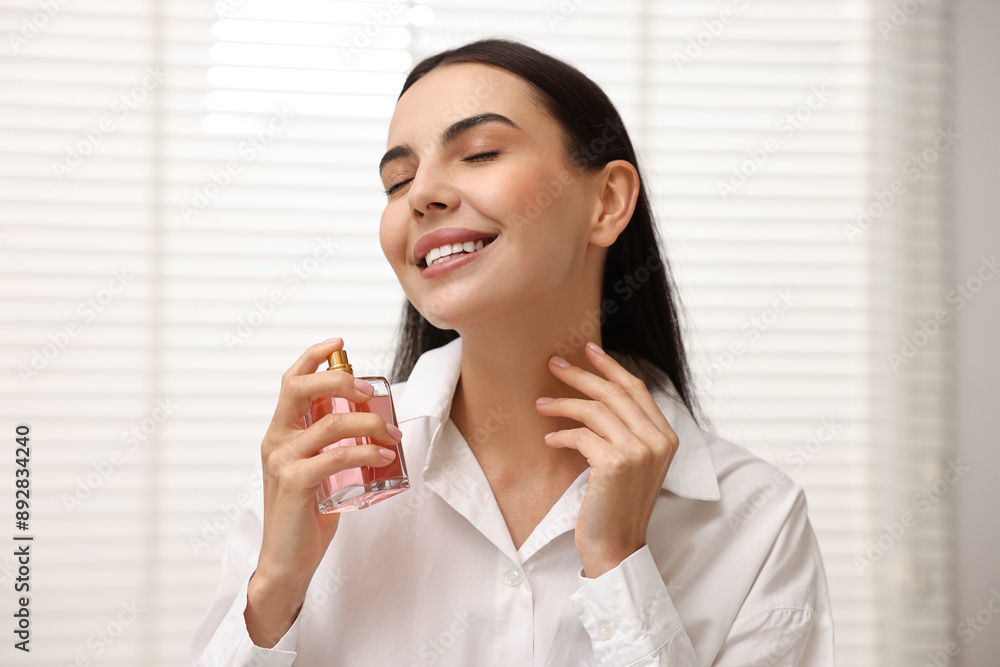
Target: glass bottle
{"x":357,"y":488}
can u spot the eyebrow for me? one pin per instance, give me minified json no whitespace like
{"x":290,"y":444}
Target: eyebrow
{"x":449,"y":135}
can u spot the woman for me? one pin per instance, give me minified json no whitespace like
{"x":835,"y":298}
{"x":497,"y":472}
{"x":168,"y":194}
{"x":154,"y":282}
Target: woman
{"x":565,"y":509}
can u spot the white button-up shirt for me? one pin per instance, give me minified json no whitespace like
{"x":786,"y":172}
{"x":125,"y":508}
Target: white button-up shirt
{"x":731,"y":574}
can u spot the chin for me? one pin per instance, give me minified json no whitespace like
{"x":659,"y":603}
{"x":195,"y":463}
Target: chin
{"x":443,"y":315}
{"x":452,"y":309}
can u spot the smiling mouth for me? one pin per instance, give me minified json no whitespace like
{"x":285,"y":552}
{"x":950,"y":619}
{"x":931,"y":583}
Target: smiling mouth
{"x":451,"y":251}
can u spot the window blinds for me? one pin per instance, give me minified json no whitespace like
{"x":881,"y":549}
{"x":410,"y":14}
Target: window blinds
{"x":189,"y":198}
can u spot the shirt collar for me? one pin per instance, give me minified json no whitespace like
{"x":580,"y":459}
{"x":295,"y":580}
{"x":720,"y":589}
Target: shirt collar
{"x":429,"y":390}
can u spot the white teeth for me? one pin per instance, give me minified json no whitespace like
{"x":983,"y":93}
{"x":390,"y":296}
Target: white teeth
{"x":451,"y":249}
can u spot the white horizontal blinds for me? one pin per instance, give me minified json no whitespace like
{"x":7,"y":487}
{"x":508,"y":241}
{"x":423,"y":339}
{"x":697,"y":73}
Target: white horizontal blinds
{"x":759,"y":127}
{"x":76,"y":208}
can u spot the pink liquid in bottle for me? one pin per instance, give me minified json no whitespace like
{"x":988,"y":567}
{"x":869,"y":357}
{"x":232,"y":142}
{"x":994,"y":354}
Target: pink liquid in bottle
{"x":357,"y":488}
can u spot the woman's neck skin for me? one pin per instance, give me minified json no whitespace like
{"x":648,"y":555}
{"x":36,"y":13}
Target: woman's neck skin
{"x":504,"y":369}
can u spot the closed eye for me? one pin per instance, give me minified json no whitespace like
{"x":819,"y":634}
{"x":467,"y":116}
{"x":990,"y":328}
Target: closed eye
{"x":479,"y":157}
{"x":482,"y":156}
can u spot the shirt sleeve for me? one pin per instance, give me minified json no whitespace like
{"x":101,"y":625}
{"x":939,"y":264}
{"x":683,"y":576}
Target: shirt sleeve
{"x":784,"y":621}
{"x":630,"y":617}
{"x":221,"y":638}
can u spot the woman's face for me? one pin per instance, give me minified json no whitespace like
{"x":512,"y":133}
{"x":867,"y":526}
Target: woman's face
{"x":504,"y":184}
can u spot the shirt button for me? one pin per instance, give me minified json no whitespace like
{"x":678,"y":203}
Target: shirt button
{"x":513,"y":578}
{"x":604,"y":631}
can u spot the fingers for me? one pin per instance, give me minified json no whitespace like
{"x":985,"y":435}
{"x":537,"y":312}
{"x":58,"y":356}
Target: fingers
{"x":301,"y":463}
{"x":621,"y":395}
{"x":334,"y":427}
{"x":299,"y":390}
{"x":308,"y":472}
{"x":583,"y":440}
{"x":595,"y":415}
{"x":313,"y":357}
{"x":635,"y":387}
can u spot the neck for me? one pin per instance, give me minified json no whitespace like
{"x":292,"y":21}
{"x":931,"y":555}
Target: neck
{"x":503,"y":371}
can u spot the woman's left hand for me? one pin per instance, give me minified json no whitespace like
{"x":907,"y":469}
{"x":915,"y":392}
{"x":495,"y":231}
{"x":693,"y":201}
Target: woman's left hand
{"x":629,"y":446}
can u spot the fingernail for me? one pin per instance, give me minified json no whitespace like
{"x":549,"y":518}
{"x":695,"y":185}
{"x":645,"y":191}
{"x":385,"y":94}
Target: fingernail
{"x":394,"y":432}
{"x":330,"y":340}
{"x":560,"y":362}
{"x":595,"y":347}
{"x":549,"y":435}
{"x":387,"y":453}
{"x":543,"y":400}
{"x":364,"y":387}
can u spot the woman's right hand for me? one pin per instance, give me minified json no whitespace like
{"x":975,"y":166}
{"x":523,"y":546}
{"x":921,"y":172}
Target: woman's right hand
{"x":295,"y":534}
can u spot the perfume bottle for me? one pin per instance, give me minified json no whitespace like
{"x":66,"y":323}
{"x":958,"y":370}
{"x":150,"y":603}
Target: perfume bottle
{"x":357,"y":488}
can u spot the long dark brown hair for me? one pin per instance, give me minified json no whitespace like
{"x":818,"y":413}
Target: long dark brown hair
{"x":643,"y":323}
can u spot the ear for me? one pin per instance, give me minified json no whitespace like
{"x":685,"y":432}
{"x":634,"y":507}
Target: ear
{"x":618,"y":190}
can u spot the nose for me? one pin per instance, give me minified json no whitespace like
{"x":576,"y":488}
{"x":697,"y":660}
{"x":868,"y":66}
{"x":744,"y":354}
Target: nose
{"x":431,"y":193}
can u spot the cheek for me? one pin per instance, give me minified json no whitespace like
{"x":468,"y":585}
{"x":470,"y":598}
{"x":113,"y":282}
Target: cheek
{"x":392,"y":238}
{"x":519,"y":196}
{"x":540,"y":208}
